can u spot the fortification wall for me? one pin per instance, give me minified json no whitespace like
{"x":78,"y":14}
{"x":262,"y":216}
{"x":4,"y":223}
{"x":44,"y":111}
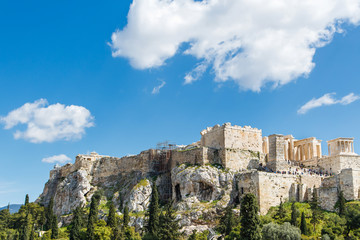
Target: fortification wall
{"x":275,"y":188}
{"x":245,"y":138}
{"x":238,"y":159}
{"x":347,"y":181}
{"x":269,"y":188}
{"x":234,"y":137}
{"x":213,"y":137}
{"x":328,"y":197}
{"x":336,"y":163}
{"x":330,"y":164}
{"x":272,"y":188}
{"x":106,"y":166}
{"x":356,"y":178}
{"x":350,"y":161}
{"x":192,"y":156}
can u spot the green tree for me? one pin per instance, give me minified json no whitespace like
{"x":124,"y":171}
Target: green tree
{"x":130,"y":234}
{"x":235,"y":233}
{"x":295,"y":214}
{"x":315,"y":209}
{"x":334,"y":226}
{"x":76,"y":224}
{"x":54,"y":227}
{"x":111,"y":220}
{"x":250,"y":221}
{"x":198,"y":236}
{"x":340,"y":204}
{"x":169,"y":225}
{"x":227,"y":222}
{"x":281,"y":213}
{"x":49,"y":214}
{"x":273,"y":231}
{"x":4,"y":218}
{"x":303,"y":226}
{"x":26,"y":199}
{"x":25,"y":231}
{"x":126,"y":217}
{"x":95,"y":200}
{"x":352,"y":216}
{"x":153,"y":213}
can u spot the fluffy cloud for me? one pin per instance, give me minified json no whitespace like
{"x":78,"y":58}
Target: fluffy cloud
{"x":252,"y":42}
{"x":326,"y":100}
{"x":48,"y":123}
{"x":62,"y":158}
{"x":156,"y":90}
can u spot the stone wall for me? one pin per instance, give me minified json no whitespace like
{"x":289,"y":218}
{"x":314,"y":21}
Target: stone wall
{"x":238,"y":159}
{"x":213,"y":137}
{"x":245,"y":138}
{"x":276,"y":159}
{"x":335,"y":164}
{"x":198,"y":156}
{"x":347,"y":181}
{"x":234,"y":137}
{"x":271,"y":188}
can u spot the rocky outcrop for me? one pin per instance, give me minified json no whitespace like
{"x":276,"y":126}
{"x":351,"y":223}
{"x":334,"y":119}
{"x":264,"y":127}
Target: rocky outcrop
{"x":200,"y":184}
{"x":201,"y":194}
{"x":139,"y":196}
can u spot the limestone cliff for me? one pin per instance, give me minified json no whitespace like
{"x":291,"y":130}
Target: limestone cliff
{"x":200,"y":192}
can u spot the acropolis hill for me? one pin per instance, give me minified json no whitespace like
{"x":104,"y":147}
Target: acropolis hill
{"x":228,"y":162}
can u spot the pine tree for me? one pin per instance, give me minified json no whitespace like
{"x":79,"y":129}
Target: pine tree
{"x":303,"y":226}
{"x":116,"y":234}
{"x":49,"y":215}
{"x":32,"y":234}
{"x":281,"y":213}
{"x":95,"y":200}
{"x":54,"y":227}
{"x":76,"y":224}
{"x":294,"y":215}
{"x":126,"y":218}
{"x":315,"y":208}
{"x":227,"y":222}
{"x":250,"y":221}
{"x":26,"y":228}
{"x":26,"y":199}
{"x":169,"y":225}
{"x":111,"y":221}
{"x":153,"y":213}
{"x":340,"y":204}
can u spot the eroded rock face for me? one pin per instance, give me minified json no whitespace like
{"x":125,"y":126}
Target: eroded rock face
{"x":139,"y":196}
{"x":71,"y":192}
{"x":201,"y":184}
{"x":74,"y":185}
{"x":204,"y":190}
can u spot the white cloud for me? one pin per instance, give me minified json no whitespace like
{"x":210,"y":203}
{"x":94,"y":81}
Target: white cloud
{"x":48,"y":123}
{"x":156,"y":90}
{"x":252,"y":42}
{"x":62,"y":158}
{"x":326,"y":100}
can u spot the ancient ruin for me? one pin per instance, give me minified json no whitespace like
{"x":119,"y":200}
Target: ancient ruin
{"x":226,"y":163}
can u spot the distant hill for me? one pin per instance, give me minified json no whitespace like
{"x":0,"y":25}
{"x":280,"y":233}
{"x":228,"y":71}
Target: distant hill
{"x":13,"y":208}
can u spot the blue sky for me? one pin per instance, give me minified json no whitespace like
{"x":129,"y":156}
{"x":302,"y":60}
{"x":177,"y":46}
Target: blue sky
{"x":64,"y":52}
